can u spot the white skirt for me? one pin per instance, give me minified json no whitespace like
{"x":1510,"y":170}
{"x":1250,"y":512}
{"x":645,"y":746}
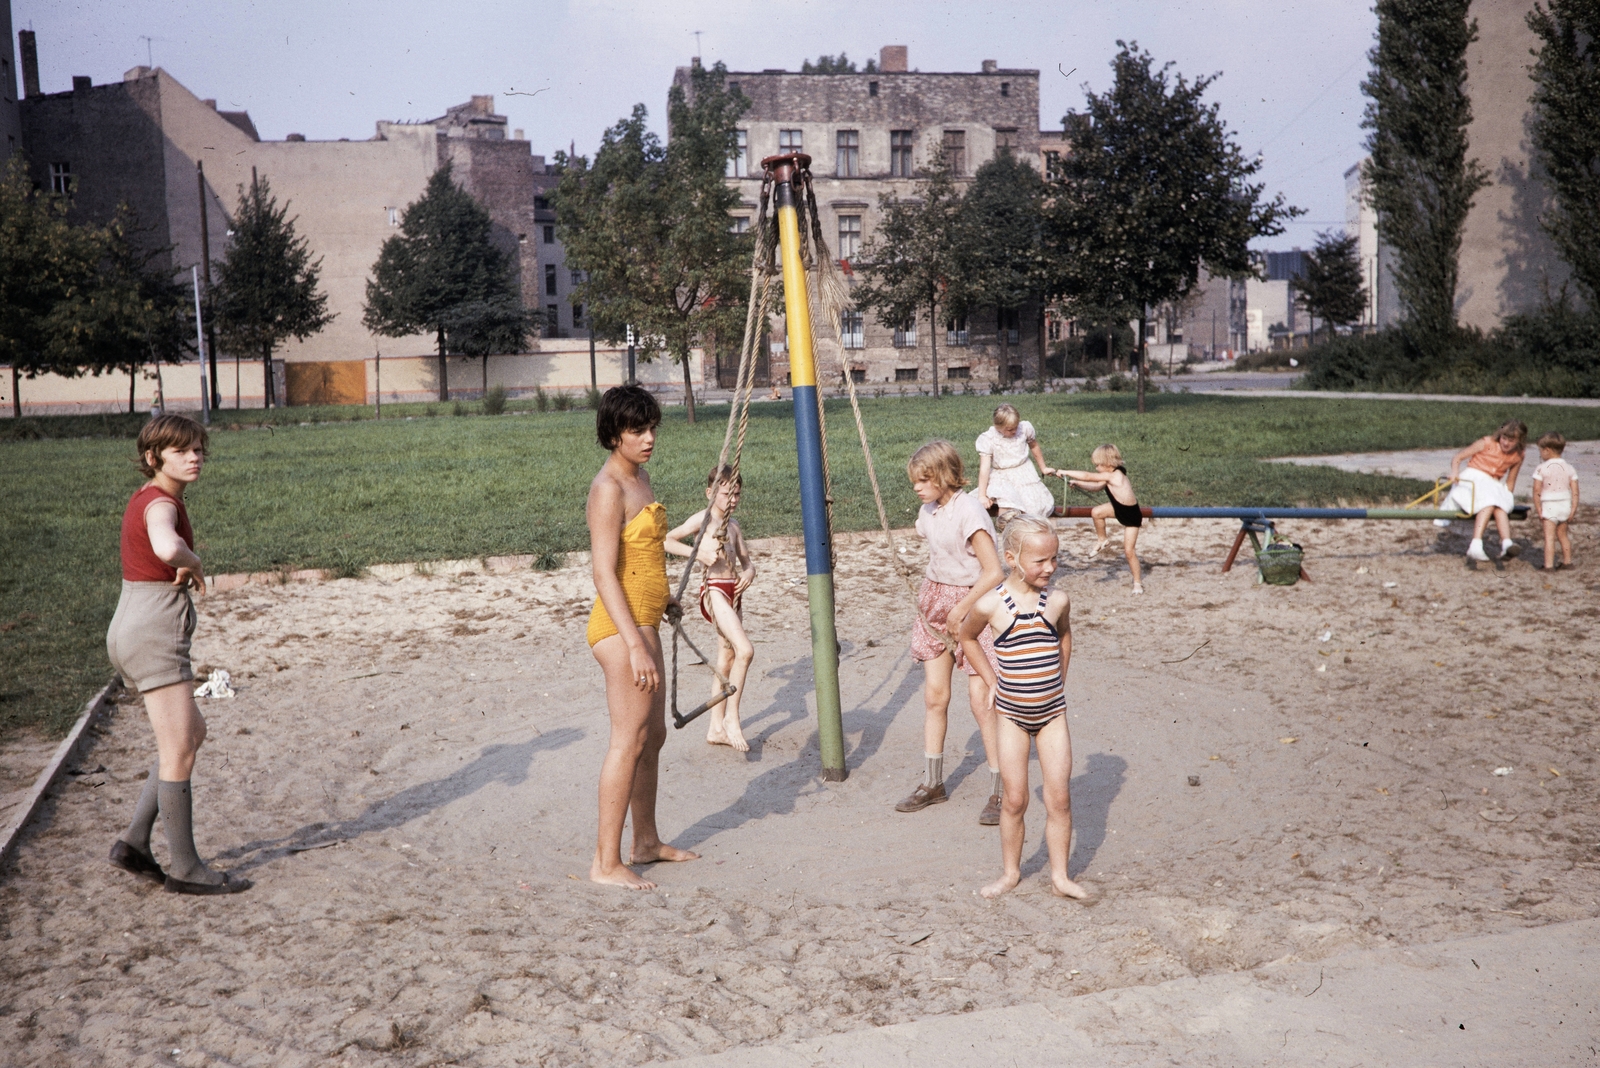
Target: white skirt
{"x":1477,"y":490}
{"x":1020,"y":488}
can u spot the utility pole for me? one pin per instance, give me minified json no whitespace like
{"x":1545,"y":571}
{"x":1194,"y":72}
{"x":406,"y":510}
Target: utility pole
{"x":205,"y":258}
{"x":200,"y":343}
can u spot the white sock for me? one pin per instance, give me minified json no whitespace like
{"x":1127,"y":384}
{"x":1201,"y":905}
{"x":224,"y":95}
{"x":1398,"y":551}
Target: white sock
{"x":994,"y":781}
{"x":1505,"y":543}
{"x":1477,"y":543}
{"x":935,"y":772}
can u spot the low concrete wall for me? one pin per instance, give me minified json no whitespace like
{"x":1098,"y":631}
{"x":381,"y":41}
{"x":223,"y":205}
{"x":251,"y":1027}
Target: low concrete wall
{"x":556,"y":365}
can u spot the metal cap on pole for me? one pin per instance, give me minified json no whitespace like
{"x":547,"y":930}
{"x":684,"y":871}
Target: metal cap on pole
{"x":813,"y":483}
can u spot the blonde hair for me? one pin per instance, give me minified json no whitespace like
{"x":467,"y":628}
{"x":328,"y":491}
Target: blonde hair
{"x":1109,"y":455}
{"x":1006,"y":415}
{"x":1515,"y":428}
{"x":1553,"y":440}
{"x":1020,"y":530}
{"x":938,"y":462}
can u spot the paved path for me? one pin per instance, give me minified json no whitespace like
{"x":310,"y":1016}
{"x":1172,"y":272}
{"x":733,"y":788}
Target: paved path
{"x":1521,"y":998}
{"x":1428,"y":464}
{"x":1319,"y":394}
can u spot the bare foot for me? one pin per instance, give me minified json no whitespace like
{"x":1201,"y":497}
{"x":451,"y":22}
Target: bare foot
{"x":661,"y":853}
{"x":736,"y":739}
{"x":1098,"y":546}
{"x":619,"y":876}
{"x":716,"y":736}
{"x":1002,"y":885}
{"x":1061,"y":886}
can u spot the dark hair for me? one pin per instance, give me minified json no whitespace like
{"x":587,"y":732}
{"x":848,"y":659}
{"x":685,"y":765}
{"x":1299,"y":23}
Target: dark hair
{"x":624,"y":408}
{"x":726,"y":473}
{"x":165,"y":432}
{"x":1553,"y":440}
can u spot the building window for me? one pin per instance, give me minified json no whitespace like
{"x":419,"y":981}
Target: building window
{"x":550,"y":279}
{"x":1055,"y":329}
{"x":1013,"y":372}
{"x":739,"y":162}
{"x":1009,"y":322}
{"x":905,"y":374}
{"x":541,"y":203}
{"x":552,"y":320}
{"x":850,"y":331}
{"x":847,"y":161}
{"x":955,"y":331}
{"x":741,"y":224}
{"x":733,"y":87}
{"x":577,"y":317}
{"x":1052,"y":164}
{"x":900,"y":154}
{"x":790,"y":141}
{"x":1004,"y":141}
{"x":858,"y":375}
{"x":1005,"y":88}
{"x":549,"y":235}
{"x":849,"y":236}
{"x":872,"y":88}
{"x":576,"y":277}
{"x":955,"y":151}
{"x":906,"y":338}
{"x":60,"y":178}
{"x":957,"y":372}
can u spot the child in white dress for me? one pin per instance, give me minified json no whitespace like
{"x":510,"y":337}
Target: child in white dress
{"x":1006,"y":477}
{"x":1555,"y":497}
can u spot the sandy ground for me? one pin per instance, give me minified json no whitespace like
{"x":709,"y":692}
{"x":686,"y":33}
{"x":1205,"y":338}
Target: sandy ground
{"x":408,"y":773}
{"x":1428,"y":464}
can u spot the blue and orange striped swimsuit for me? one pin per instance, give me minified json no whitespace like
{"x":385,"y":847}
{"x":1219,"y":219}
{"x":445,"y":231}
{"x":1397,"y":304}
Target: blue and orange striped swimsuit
{"x":1031,"y":691}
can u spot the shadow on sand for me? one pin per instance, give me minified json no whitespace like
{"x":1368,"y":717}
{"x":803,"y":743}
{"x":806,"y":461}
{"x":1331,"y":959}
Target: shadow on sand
{"x":1092,"y":793}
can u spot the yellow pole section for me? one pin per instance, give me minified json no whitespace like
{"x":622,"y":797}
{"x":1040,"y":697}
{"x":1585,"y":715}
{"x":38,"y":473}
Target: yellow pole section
{"x":796,"y":300}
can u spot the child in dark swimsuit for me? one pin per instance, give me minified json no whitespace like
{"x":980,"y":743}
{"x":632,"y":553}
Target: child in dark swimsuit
{"x":1032,"y":645}
{"x":728,"y":573}
{"x":1111,"y":475}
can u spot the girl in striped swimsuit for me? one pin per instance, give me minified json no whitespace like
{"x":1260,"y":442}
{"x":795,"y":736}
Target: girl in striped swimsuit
{"x":1033,"y":643}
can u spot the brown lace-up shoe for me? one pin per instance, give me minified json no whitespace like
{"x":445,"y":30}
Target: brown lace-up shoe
{"x":990,"y":816}
{"x":922,"y":797}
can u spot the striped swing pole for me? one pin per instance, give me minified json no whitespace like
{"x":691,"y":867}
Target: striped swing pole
{"x":808,"y":446}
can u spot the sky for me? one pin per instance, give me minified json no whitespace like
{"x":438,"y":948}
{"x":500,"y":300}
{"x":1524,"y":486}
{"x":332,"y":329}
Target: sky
{"x":1288,"y":85}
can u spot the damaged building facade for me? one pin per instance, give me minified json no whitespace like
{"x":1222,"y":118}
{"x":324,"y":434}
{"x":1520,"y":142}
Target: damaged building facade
{"x":869,"y":134}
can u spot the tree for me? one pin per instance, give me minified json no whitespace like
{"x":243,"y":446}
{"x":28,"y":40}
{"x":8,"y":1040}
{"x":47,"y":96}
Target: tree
{"x":44,"y":260}
{"x":648,"y":226}
{"x":911,"y":262}
{"x":1421,"y":182}
{"x":999,"y":247}
{"x":1566,"y":132}
{"x":442,"y":274}
{"x":267,"y":284}
{"x":131,"y":312}
{"x":1332,"y":289}
{"x":840,"y":64}
{"x":1150,"y":186}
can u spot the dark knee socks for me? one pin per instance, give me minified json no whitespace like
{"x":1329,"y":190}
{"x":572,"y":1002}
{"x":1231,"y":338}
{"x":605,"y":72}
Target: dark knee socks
{"x":144,"y":813}
{"x":177,"y":819}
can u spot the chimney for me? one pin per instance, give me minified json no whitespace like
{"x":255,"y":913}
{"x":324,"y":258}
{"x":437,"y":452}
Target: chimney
{"x":30,"y":64}
{"x":295,"y":137}
{"x":133,"y":74}
{"x":483,"y":105}
{"x":82,"y":83}
{"x":212,"y":104}
{"x":892,"y":59}
{"x":990,"y":66}
{"x":516,"y":135}
{"x":694,"y":62}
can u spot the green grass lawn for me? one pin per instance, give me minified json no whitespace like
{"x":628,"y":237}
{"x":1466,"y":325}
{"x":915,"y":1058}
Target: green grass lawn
{"x":343,"y":493}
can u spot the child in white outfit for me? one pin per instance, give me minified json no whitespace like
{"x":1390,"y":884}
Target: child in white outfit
{"x":1555,"y":497}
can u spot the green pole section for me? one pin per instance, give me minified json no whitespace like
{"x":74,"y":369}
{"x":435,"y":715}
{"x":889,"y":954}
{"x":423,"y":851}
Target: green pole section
{"x":825,"y":669}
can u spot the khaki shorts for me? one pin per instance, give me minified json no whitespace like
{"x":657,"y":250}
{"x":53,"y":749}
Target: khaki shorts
{"x":150,"y":633}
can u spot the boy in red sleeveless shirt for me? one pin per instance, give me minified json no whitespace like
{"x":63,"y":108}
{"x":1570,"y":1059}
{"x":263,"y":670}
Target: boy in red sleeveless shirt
{"x":149,"y":646}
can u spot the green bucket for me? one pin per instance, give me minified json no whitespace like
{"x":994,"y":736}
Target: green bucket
{"x":1280,"y":563}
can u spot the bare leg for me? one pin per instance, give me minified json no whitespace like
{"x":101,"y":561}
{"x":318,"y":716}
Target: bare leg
{"x":1130,"y":542}
{"x":179,"y":728}
{"x":1480,"y":523}
{"x":736,"y":666}
{"x":977,"y":691}
{"x":1502,"y":524}
{"x":1566,"y":544}
{"x":1014,"y":744}
{"x":1055,"y":767}
{"x":936,"y":701}
{"x":716,"y":733}
{"x":1099,"y":514}
{"x":628,"y":774}
{"x":1549,"y":543}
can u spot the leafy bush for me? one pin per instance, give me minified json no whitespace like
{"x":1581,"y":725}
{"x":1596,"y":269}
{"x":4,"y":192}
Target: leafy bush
{"x":540,"y":401}
{"x":563,"y":402}
{"x":457,"y":408}
{"x":592,"y":398}
{"x":494,"y":401}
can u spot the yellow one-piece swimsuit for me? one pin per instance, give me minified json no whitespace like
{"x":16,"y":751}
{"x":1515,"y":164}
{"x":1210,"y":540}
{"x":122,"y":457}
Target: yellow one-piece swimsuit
{"x":642,"y":570}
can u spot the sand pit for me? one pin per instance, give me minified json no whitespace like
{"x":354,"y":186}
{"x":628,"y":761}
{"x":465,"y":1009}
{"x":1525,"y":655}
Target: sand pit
{"x":408,"y":773}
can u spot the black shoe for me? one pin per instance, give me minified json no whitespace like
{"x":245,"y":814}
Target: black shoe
{"x":228,"y":885}
{"x":130,"y":859}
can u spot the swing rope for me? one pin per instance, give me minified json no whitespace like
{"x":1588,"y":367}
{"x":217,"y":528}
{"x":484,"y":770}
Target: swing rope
{"x":763,"y":286}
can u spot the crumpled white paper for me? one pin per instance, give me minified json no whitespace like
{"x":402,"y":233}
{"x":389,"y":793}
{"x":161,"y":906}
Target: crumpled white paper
{"x":220,"y":684}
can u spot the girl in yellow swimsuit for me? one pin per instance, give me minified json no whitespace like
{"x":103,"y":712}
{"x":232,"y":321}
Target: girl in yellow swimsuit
{"x":627,"y":531}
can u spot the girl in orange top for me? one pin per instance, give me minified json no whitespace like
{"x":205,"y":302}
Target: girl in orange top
{"x":627,"y":530}
{"x":1486,"y":488}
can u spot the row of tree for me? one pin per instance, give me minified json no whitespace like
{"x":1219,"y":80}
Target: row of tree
{"x":81,"y":299}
